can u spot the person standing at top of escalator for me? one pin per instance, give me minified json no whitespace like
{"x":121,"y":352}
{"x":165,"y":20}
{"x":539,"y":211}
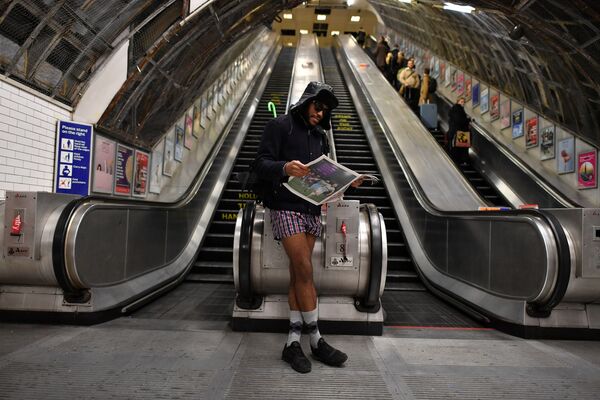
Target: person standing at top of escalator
{"x":458,"y":120}
{"x":288,"y":143}
{"x":380,"y":53}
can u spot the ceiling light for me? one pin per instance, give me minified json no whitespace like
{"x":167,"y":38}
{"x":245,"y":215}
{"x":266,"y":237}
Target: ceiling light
{"x":321,"y":17}
{"x":335,"y":33}
{"x":406,"y":1}
{"x":459,"y":8}
{"x":355,"y":18}
{"x":287,"y":16}
{"x":350,"y":2}
{"x":303,"y":31}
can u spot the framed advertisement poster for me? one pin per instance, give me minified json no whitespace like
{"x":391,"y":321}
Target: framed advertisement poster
{"x":196,"y":123}
{"x":547,"y":150}
{"x":178,"y":143}
{"x":123,"y":170}
{"x":156,"y":163}
{"x":104,"y":165}
{"x":468,"y":88}
{"x":586,"y":170}
{"x":566,"y":155}
{"x":494,"y":107}
{"x":517,"y":123}
{"x":448,"y":75}
{"x":188,"y":129}
{"x":531,"y":132}
{"x":436,"y":69}
{"x":169,"y":154}
{"x":475,"y":95}
{"x":505,"y":114}
{"x":484,"y":106}
{"x":442,"y":76}
{"x":140,"y":173}
{"x":460,"y":83}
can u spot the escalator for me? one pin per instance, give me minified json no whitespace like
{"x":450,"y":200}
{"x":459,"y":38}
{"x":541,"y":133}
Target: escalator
{"x":477,"y":180}
{"x":353,"y":151}
{"x":215,"y":260}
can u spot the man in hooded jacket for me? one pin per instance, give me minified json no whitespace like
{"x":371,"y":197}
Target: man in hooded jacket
{"x":288,"y":143}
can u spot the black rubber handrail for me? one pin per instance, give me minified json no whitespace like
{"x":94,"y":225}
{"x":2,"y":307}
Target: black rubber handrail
{"x":72,"y":294}
{"x":370,"y":302}
{"x":245,"y":298}
{"x":544,"y":309}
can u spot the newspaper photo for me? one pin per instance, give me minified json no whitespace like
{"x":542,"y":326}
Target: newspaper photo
{"x":325,"y":181}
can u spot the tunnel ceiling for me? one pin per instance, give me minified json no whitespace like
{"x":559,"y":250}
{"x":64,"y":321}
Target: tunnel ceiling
{"x":551,"y":63}
{"x":56,"y":46}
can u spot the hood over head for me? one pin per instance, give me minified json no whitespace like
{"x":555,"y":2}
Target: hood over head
{"x":317,"y":91}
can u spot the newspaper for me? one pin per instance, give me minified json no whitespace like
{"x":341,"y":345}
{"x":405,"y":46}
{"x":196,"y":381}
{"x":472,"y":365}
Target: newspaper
{"x":326,"y":181}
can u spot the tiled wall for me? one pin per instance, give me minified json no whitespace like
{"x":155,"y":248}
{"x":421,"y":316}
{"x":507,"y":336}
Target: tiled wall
{"x":27,"y":135}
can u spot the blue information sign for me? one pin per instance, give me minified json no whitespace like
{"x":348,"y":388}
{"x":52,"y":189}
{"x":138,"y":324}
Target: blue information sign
{"x":73,"y":158}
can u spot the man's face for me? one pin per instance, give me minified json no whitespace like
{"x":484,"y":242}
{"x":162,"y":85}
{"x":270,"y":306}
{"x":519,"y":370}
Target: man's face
{"x":410,"y":64}
{"x":316,"y":111}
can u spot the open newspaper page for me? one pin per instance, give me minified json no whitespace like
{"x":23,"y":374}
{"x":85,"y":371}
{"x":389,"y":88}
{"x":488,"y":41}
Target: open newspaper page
{"x":326,"y":180}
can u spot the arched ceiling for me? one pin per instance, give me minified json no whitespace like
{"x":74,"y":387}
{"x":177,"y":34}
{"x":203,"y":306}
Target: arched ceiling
{"x":56,"y":46}
{"x":553,"y":68}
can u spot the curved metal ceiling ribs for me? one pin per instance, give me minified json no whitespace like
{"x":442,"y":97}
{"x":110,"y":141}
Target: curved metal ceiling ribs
{"x":554,"y":68}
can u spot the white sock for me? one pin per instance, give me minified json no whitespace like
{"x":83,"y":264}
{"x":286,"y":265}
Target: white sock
{"x":310,"y":319}
{"x":295,"y":327}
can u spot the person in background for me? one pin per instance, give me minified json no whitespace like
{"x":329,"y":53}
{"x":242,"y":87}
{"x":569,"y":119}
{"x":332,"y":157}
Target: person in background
{"x":425,"y":96}
{"x":393,"y":61}
{"x":409,"y":84}
{"x":288,"y":143}
{"x":458,"y":120}
{"x":361,"y":37}
{"x":380,"y":53}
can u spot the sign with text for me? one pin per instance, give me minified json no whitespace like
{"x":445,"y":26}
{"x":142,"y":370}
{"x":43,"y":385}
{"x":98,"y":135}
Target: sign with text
{"x":73,"y":158}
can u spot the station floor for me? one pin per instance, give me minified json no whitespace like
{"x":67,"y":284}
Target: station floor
{"x":181,"y":347}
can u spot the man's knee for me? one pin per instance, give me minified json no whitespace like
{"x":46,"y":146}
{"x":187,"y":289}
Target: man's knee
{"x":303,"y":271}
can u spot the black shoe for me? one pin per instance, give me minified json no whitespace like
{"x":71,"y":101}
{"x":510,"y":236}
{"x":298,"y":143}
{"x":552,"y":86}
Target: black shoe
{"x":293,"y":355}
{"x":328,"y":355}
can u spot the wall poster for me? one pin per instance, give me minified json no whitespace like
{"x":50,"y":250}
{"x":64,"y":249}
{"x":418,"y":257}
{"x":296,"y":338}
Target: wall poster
{"x":547,"y":149}
{"x":531,"y":132}
{"x":442,"y":76}
{"x":517,"y":123}
{"x":586,"y":170}
{"x":475,"y":95}
{"x":485,"y":98}
{"x":178,"y":142}
{"x":169,"y":155}
{"x":448,"y":76}
{"x":123,"y":170}
{"x":460,"y":83}
{"x":140,"y":173}
{"x":505,"y":114}
{"x":188,"y":129}
{"x":196,"y":123}
{"x":468,"y":88}
{"x":566,"y":155}
{"x":156,"y":162}
{"x":494,"y":107}
{"x":72,"y":168}
{"x":104,"y":165}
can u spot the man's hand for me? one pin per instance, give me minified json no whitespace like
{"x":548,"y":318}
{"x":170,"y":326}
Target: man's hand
{"x":357,"y":182}
{"x":295,"y":168}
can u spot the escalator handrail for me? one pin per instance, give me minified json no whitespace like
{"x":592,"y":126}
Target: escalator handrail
{"x":561,"y":244}
{"x":62,"y":229}
{"x":526,"y":169}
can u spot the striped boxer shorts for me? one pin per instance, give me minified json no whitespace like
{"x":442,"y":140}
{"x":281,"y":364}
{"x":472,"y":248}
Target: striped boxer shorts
{"x":288,"y":223}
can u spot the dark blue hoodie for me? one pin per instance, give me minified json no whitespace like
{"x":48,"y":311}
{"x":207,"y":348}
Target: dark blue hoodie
{"x":290,"y":137}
